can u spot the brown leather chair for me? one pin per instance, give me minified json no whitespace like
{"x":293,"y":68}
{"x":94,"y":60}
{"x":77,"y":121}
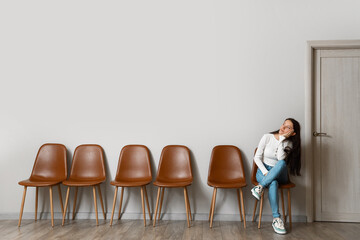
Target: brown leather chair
{"x":134,"y":170}
{"x":49,"y":170}
{"x":226,"y":170}
{"x":174,"y":171}
{"x":87,"y":169}
{"x":287,"y":186}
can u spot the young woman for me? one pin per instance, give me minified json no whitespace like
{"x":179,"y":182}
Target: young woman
{"x":276,"y":152}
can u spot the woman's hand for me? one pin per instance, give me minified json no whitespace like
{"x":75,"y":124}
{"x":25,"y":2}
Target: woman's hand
{"x":288,"y":134}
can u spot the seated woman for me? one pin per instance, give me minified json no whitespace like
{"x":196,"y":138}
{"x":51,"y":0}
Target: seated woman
{"x":275,"y":152}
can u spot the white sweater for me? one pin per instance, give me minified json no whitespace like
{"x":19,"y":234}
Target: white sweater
{"x":270,"y":151}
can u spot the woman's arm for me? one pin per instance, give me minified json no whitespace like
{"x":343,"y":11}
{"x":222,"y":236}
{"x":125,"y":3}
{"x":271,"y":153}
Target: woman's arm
{"x":259,"y":155}
{"x":280,"y":153}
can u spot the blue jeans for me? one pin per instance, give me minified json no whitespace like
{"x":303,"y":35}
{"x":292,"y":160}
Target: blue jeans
{"x":277,"y":174}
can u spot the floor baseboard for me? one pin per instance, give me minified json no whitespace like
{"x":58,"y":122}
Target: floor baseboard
{"x":165,"y":216}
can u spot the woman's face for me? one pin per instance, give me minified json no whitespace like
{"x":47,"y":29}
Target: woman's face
{"x":286,"y":128}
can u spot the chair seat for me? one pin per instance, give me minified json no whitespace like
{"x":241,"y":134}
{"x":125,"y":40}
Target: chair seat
{"x":82,"y":183}
{"x":255,"y":182}
{"x":38,"y":183}
{"x":283,"y":186}
{"x":236,"y":184}
{"x":172,"y":184}
{"x":131,"y":183}
{"x":287,"y":185}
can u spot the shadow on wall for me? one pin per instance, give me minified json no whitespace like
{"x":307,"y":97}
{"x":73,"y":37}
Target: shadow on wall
{"x":196,"y":197}
{"x":150,"y":187}
{"x":105,"y":186}
{"x":297,"y":196}
{"x":246,"y":190}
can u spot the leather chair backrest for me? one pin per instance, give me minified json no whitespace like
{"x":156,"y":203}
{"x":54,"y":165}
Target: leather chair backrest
{"x":226,"y":164}
{"x":50,"y":163}
{"x":175,"y":164}
{"x":134,"y":164}
{"x":88,"y":163}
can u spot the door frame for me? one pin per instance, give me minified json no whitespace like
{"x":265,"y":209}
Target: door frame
{"x":310,"y":112}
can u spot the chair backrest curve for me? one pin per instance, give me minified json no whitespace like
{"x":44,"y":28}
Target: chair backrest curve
{"x":50,"y":163}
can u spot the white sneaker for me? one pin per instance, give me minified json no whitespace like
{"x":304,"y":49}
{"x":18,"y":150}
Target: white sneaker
{"x":278,"y":226}
{"x":257,"y":191}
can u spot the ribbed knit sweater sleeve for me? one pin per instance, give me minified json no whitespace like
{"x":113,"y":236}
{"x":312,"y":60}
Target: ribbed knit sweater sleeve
{"x":259,"y":155}
{"x":281,"y":154}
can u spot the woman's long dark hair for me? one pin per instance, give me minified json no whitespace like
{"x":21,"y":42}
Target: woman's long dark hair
{"x":293,"y":159}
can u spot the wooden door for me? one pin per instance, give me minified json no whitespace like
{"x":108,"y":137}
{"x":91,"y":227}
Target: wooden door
{"x":337,"y":154}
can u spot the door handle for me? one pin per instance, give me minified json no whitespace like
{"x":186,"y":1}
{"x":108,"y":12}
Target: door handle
{"x":316,"y":134}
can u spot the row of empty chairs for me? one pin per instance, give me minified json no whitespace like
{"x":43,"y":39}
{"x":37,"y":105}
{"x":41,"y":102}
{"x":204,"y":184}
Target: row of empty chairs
{"x":134,"y":170}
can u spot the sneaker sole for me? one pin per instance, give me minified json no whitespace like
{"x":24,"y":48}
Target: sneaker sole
{"x":277,"y":231}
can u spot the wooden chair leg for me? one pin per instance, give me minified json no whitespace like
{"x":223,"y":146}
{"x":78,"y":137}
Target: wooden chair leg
{"x":213,"y":208}
{"x":147,"y":202}
{"x":66,"y":203}
{"x":282,"y":204}
{"x":253,"y":218}
{"x":186,"y":207}
{"x":22,"y":205}
{"x":157,"y":204}
{"x":36,"y":202}
{"x":242,"y":206}
{"x":61,"y":201}
{"x":113,"y":208}
{"x":187,"y":198}
{"x":51,"y":206}
{"x":101,"y":201}
{"x":289,"y":208}
{"x":143,"y":205}
{"x":261,"y":208}
{"x":95,"y":205}
{"x":211,"y":204}
{"x":238,"y":198}
{"x":74,"y":207}
{"x":161,"y":201}
{"x":121,"y":200}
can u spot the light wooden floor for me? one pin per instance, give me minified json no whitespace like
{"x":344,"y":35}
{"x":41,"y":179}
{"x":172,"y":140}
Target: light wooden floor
{"x":134,"y":229}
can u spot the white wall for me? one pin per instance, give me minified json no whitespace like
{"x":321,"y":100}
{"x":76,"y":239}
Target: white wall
{"x":198,"y":73}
